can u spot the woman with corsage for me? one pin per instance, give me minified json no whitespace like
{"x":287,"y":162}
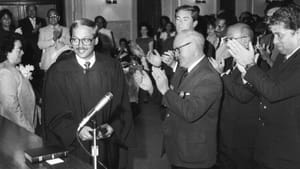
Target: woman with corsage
{"x":17,"y":99}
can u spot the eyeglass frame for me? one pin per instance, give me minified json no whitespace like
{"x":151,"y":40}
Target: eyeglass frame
{"x":54,"y":16}
{"x":235,"y":38}
{"x":177,"y":49}
{"x":90,"y":40}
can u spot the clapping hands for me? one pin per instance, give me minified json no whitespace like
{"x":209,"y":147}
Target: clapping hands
{"x":161,"y":80}
{"x":143,"y":80}
{"x":242,"y":55}
{"x":155,"y":59}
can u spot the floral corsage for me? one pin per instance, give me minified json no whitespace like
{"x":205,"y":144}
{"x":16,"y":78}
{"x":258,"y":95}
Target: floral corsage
{"x":26,"y":71}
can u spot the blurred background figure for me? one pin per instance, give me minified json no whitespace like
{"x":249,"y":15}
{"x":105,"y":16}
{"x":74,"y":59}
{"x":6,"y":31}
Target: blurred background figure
{"x":211,"y":35}
{"x":53,"y":39}
{"x":107,"y":42}
{"x":6,"y":24}
{"x":145,"y":39}
{"x":123,"y":52}
{"x":30,"y":31}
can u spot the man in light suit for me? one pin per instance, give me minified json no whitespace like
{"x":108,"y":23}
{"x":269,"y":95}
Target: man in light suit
{"x":192,"y":102}
{"x":30,"y":31}
{"x":278,"y":139}
{"x":53,"y":40}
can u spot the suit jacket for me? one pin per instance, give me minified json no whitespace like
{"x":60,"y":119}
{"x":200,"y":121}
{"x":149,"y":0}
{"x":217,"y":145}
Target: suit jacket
{"x":17,"y":99}
{"x":239,"y":113}
{"x":52,"y":49}
{"x":32,"y":53}
{"x":190,"y":127}
{"x":27,"y":27}
{"x":278,"y":141}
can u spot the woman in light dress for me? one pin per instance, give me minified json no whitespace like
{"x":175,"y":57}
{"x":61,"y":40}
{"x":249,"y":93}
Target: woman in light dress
{"x":17,"y":99}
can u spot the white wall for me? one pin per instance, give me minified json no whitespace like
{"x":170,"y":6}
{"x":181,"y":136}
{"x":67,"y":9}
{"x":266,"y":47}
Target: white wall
{"x":169,"y":6}
{"x":242,"y":6}
{"x":259,"y":7}
{"x":112,"y":12}
{"x":210,"y":7}
{"x":120,"y":17}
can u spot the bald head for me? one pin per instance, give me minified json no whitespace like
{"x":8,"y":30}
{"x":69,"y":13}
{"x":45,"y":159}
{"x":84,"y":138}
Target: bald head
{"x":241,"y":32}
{"x":191,"y":44}
{"x":192,"y":36}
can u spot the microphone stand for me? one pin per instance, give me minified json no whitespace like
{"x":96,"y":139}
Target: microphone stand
{"x":94,"y":147}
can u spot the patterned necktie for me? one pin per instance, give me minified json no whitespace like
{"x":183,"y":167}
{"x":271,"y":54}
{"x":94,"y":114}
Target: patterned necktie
{"x":86,"y":66}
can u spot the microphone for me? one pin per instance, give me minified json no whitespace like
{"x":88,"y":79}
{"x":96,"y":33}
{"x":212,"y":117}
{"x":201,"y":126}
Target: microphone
{"x":94,"y":110}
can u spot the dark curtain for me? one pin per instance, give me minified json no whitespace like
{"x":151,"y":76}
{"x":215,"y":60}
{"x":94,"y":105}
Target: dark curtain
{"x":149,"y":11}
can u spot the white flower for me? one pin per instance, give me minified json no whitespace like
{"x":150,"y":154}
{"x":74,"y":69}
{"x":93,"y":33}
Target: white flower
{"x":26,"y":71}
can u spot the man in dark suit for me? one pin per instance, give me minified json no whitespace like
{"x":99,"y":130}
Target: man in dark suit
{"x":278,"y":139}
{"x":239,"y":110}
{"x":30,"y":30}
{"x":192,"y":101}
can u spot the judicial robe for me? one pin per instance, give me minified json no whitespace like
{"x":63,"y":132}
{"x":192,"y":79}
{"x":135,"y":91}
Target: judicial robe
{"x":69,"y":94}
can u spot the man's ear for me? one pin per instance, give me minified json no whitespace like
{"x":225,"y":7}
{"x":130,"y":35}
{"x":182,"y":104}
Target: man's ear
{"x":96,"y":41}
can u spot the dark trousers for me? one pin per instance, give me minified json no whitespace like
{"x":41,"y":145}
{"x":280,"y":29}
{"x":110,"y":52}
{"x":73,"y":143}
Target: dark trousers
{"x":177,"y":167}
{"x":236,"y":158}
{"x":259,"y":165}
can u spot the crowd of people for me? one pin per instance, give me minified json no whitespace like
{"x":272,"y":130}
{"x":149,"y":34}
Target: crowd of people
{"x":228,"y":86}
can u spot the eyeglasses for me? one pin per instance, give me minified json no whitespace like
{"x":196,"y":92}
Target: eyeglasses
{"x":226,"y":39}
{"x":53,"y":17}
{"x":84,"y":41}
{"x":177,"y":49}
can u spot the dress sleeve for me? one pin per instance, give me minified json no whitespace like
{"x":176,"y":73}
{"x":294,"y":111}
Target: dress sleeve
{"x":10,"y":102}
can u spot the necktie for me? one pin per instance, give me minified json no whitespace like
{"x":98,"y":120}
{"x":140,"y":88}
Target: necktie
{"x":86,"y":66}
{"x":182,"y":73}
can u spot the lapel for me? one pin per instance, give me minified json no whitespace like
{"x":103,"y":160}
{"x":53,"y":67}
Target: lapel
{"x":29,"y":23}
{"x":281,"y":65}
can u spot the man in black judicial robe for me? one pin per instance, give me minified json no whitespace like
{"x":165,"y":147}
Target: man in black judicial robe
{"x":71,"y":90}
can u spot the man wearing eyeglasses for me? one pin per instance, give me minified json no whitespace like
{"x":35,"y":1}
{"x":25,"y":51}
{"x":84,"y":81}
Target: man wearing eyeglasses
{"x":239,"y":111}
{"x":74,"y":85}
{"x":192,"y":102}
{"x":53,"y":39}
{"x":279,"y":90}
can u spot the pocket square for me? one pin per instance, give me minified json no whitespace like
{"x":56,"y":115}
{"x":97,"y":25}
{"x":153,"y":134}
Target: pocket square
{"x":183,"y":94}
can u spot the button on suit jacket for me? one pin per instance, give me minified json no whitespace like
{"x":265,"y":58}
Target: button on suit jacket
{"x":190,"y":127}
{"x":278,"y":141}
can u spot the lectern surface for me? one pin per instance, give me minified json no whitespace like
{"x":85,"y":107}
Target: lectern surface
{"x":14,"y":140}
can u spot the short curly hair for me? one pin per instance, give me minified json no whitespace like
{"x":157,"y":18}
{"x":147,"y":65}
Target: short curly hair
{"x":8,"y":45}
{"x":288,"y":15}
{"x":9,"y":14}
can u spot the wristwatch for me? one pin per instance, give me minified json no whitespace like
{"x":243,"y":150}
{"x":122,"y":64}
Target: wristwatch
{"x":248,"y":66}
